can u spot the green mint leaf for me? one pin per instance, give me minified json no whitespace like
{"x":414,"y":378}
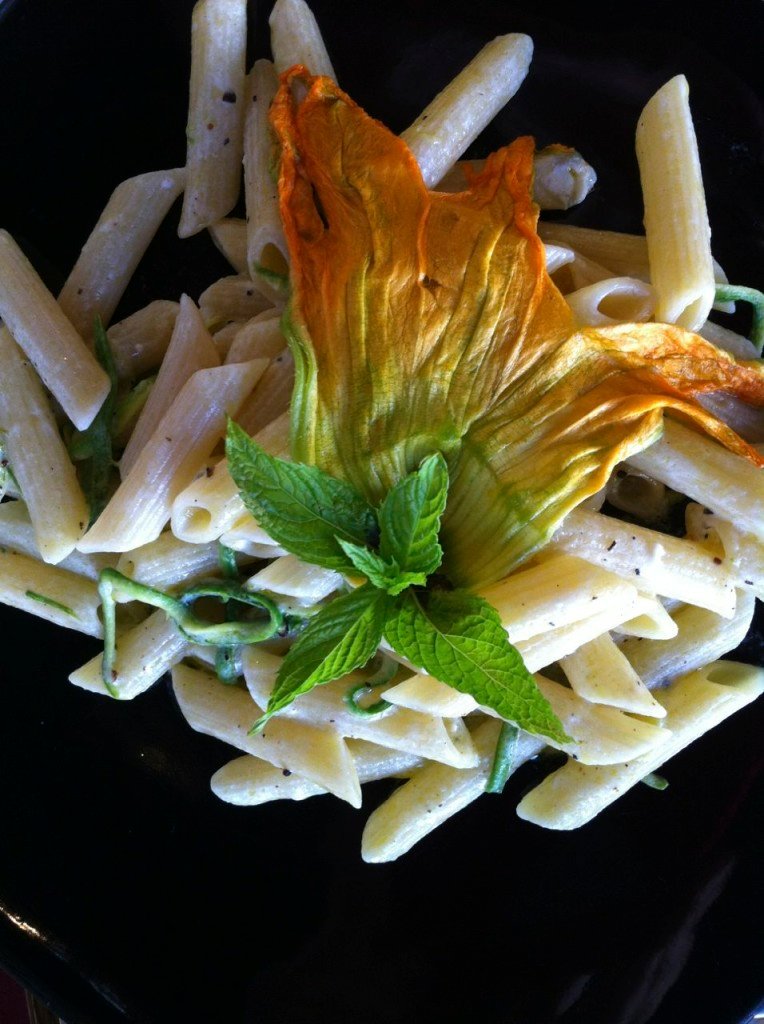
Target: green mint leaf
{"x":94,"y":445}
{"x":304,"y":509}
{"x":458,"y":638}
{"x":343,"y":636}
{"x":385,"y":575}
{"x":409,"y":518}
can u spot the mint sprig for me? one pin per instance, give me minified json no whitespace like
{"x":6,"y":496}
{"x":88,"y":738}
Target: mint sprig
{"x":458,"y":637}
{"x":385,"y":575}
{"x":303,"y":509}
{"x":409,"y":518}
{"x":453,"y":635}
{"x":343,"y":636}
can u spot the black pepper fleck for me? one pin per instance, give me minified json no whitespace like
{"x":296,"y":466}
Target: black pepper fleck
{"x":229,"y":97}
{"x":637,"y":572}
{"x":717,"y":560}
{"x":286,"y":773}
{"x":612,"y":545}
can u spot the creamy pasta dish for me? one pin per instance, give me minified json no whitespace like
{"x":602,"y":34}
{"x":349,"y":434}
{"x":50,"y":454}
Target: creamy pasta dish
{"x":428,"y":485}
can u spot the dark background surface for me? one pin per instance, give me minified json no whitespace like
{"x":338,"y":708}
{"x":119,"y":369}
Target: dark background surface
{"x":127,"y":891}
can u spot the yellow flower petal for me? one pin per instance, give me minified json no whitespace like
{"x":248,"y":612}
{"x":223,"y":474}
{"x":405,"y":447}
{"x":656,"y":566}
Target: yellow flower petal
{"x":424,"y":321}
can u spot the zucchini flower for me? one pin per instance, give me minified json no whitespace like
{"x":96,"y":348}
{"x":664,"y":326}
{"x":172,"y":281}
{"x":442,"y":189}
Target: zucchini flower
{"x":426,"y":322}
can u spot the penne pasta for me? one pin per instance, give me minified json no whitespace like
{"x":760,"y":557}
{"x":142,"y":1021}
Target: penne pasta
{"x":556,"y":593}
{"x":433,"y":795}
{"x":575,"y":793}
{"x":116,"y":245}
{"x":167,"y":562}
{"x":624,"y":255}
{"x":423,"y":735}
{"x":460,"y":112}
{"x":676,"y":221}
{"x":190,"y":349}
{"x":215,"y":113}
{"x":259,"y":338}
{"x":144,"y":654}
{"x":49,"y":592}
{"x":561,"y":178}
{"x":296,"y":38}
{"x":247,"y":781}
{"x":211,"y":506}
{"x":291,"y":577}
{"x":231,"y":298}
{"x":743,"y":551}
{"x":17,"y":532}
{"x":702,"y":636}
{"x":669,"y":566}
{"x":601,"y":673}
{"x":230,"y":237}
{"x":266,"y":250}
{"x":698,"y":467}
{"x":271,"y":396}
{"x":41,"y":330}
{"x":612,"y":301}
{"x":138,"y":343}
{"x":178,"y":448}
{"x":41,"y":464}
{"x":318,"y":754}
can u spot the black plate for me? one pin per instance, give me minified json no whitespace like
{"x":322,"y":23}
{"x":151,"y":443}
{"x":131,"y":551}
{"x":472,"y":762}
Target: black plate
{"x":127,"y":891}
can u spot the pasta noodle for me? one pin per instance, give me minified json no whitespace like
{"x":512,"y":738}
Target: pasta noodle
{"x":47,"y":338}
{"x":458,"y":114}
{"x":40,"y":462}
{"x":266,"y":252}
{"x":116,"y":245}
{"x":215,"y":116}
{"x":175,"y":452}
{"x":190,"y":349}
{"x":676,"y":222}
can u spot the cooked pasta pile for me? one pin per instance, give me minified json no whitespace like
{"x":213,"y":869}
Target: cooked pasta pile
{"x":622,"y":623}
